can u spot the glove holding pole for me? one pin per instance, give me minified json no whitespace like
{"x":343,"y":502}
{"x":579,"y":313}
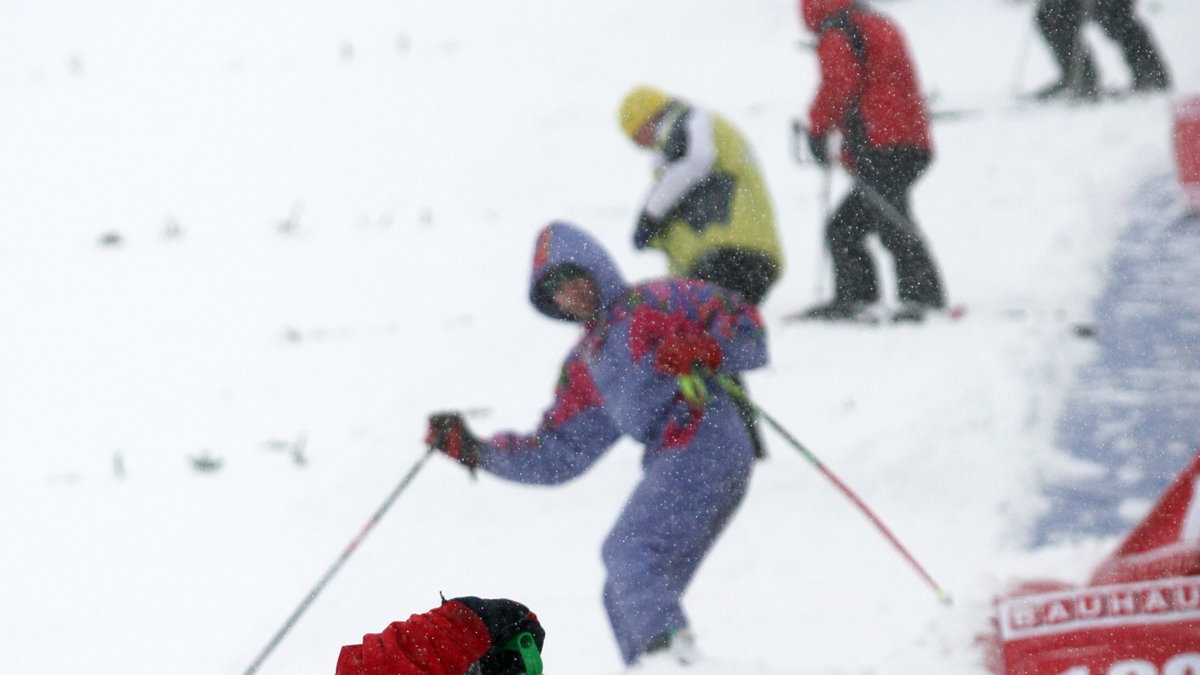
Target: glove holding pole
{"x":809,"y":149}
{"x":448,"y":434}
{"x":647,"y":228}
{"x":819,"y":147}
{"x":685,"y":356}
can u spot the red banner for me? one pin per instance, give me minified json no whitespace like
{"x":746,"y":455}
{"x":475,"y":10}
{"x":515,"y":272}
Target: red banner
{"x":1142,"y":628}
{"x":1187,"y":147}
{"x":1140,"y":615}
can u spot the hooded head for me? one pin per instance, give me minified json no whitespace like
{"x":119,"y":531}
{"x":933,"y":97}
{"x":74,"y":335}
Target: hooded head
{"x":642,"y":104}
{"x":563,"y":250}
{"x":813,"y":12}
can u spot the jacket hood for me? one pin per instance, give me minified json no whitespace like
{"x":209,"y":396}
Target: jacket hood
{"x":815,"y":11}
{"x":561,"y":243}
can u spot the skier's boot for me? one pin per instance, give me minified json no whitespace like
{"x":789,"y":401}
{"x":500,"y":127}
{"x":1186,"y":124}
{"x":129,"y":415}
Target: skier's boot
{"x":1150,"y":75}
{"x":912,"y":312}
{"x":1080,"y":85}
{"x":668,"y":654}
{"x":1051,"y":91}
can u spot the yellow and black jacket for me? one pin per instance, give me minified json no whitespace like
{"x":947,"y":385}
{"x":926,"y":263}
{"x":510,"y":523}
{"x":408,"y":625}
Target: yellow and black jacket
{"x":708,"y":192}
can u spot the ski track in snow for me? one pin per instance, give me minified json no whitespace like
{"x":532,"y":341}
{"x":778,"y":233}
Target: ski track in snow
{"x":318,"y":223}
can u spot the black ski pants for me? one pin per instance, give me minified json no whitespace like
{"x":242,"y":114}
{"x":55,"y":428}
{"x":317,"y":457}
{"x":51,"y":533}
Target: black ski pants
{"x":1060,"y":22}
{"x":878,"y":204}
{"x":749,"y":273}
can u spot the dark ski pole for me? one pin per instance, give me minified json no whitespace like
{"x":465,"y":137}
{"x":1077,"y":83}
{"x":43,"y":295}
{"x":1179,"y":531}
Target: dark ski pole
{"x":798,"y":152}
{"x":803,"y":156}
{"x":825,"y":268}
{"x":312,"y":595}
{"x":737,"y":392}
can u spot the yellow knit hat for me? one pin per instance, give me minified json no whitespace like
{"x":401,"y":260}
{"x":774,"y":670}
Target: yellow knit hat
{"x":640,"y":106}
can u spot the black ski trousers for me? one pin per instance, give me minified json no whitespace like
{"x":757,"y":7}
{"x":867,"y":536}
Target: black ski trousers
{"x":878,"y":204}
{"x":749,"y":273}
{"x":1060,"y":22}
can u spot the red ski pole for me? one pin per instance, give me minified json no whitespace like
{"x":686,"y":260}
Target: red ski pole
{"x":737,"y":392}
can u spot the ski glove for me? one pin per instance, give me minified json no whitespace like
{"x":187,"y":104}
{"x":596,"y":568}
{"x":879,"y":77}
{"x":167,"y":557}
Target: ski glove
{"x":506,"y":620}
{"x":819,"y":147}
{"x":682,"y":353}
{"x":448,"y":434}
{"x":647,"y":228}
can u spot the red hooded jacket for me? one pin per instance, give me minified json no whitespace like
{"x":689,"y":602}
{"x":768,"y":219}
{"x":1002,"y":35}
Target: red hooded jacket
{"x":869,"y":89}
{"x":444,"y":641}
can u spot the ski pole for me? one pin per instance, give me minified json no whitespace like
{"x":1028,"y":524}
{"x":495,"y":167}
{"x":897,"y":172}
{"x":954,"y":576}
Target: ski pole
{"x":312,"y":595}
{"x":826,"y":206}
{"x":737,"y":392}
{"x":824,"y":198}
{"x":797,"y":138}
{"x":1022,"y":58}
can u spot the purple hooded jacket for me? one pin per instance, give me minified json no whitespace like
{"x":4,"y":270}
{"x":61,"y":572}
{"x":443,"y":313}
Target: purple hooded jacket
{"x":697,"y":459}
{"x":608,"y":385}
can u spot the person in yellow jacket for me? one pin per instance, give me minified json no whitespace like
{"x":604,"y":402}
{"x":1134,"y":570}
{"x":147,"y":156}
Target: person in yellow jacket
{"x":708,"y":209}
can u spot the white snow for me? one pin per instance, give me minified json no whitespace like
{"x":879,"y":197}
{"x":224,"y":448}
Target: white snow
{"x":355,"y":187}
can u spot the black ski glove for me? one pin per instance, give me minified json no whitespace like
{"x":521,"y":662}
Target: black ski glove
{"x":647,"y":228}
{"x":448,"y":434}
{"x":505,"y":619}
{"x":819,"y":147}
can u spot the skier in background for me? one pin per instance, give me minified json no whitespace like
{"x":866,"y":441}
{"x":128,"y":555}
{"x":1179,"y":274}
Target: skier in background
{"x":708,"y":209}
{"x":644,"y":367}
{"x":464,"y":636}
{"x":869,"y":95}
{"x":1061,"y":24}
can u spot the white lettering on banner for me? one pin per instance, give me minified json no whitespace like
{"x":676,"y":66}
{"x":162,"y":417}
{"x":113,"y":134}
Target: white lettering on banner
{"x":1187,"y":597}
{"x":1023,"y":616}
{"x":1157,"y":601}
{"x":1122,"y":602}
{"x":1138,"y":667}
{"x":1089,"y":607}
{"x":1057,"y":612}
{"x":1182,"y":664}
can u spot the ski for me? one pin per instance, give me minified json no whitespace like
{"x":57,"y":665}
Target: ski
{"x":874,"y":315}
{"x":864,"y":318}
{"x":1026,"y":103}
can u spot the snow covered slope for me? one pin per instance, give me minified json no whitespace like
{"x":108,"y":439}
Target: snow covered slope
{"x":320,"y":217}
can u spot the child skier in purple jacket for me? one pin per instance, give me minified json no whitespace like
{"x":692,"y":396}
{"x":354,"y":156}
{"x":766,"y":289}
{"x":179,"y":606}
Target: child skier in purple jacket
{"x":643,"y":367}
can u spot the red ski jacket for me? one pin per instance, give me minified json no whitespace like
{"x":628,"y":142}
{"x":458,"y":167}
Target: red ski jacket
{"x":443,"y":641}
{"x":869,"y":89}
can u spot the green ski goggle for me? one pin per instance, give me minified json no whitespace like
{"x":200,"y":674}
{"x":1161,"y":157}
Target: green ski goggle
{"x":524,"y":645}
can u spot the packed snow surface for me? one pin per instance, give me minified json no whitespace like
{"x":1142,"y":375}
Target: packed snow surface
{"x":268,"y":238}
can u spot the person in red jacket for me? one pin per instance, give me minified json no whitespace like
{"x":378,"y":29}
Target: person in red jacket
{"x":869,"y":96}
{"x":464,"y":636}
